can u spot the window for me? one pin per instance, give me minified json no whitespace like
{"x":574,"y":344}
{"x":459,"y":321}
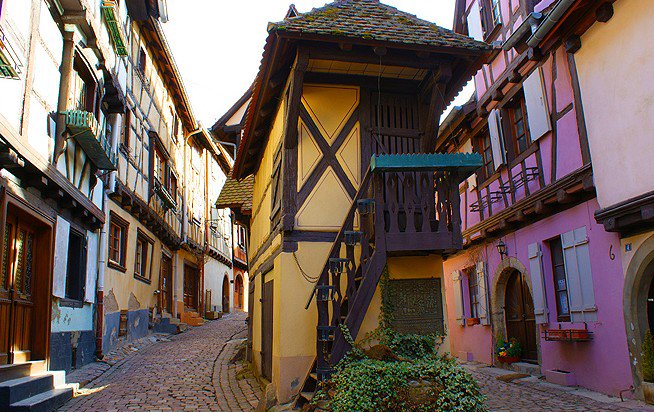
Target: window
{"x":491,"y":16}
{"x":560,"y":281}
{"x":118,"y":229}
{"x":473,"y":292}
{"x":76,"y":268}
{"x":142,"y":61}
{"x":143,"y":247}
{"x":483,"y":146}
{"x":172,"y":186}
{"x":82,"y":87}
{"x":127,"y":128}
{"x":240,"y":237}
{"x":517,"y":124}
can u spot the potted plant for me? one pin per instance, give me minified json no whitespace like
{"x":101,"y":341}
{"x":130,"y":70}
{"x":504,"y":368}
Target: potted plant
{"x":508,"y":351}
{"x":648,"y":367}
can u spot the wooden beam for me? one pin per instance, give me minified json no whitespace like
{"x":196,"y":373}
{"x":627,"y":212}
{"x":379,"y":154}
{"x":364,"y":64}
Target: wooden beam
{"x":604,"y":13}
{"x":436,"y":106}
{"x":369,"y":56}
{"x":573,"y":44}
{"x":290,"y":157}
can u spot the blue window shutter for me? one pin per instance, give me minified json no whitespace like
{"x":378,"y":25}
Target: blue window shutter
{"x":497,"y":141}
{"x":579,"y":276}
{"x":482,"y":285}
{"x":537,"y":283}
{"x":458,"y":297}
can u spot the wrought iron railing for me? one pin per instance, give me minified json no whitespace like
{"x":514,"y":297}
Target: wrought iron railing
{"x":83,"y":127}
{"x":9,"y":62}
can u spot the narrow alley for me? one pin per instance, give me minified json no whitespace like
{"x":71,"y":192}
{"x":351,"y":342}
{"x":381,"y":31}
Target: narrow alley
{"x":192,"y":371}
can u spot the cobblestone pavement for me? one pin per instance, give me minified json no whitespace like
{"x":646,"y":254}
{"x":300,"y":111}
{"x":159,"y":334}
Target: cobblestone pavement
{"x":190,"y":371}
{"x":531,"y":394}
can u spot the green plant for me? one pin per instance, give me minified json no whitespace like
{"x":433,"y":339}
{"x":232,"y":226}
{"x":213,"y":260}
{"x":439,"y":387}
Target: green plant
{"x":512,"y":348}
{"x":648,"y":357}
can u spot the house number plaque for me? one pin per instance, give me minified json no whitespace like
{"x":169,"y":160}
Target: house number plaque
{"x":417,"y":305}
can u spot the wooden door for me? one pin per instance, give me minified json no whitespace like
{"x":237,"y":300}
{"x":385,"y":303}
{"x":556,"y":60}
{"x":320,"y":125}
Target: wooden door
{"x":520,"y":319}
{"x":225,"y":296}
{"x":191,"y":287}
{"x":165,"y":284}
{"x":267,"y":329}
{"x":17,"y":293}
{"x":238,"y":292}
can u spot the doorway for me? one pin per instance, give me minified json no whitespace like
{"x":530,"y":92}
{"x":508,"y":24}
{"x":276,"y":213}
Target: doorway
{"x":165,"y":284}
{"x":225,"y":297}
{"x":191,"y":287}
{"x":238,"y":292}
{"x":25,"y":281}
{"x":519,"y":316}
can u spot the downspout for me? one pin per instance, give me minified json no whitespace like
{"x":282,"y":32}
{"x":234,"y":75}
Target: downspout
{"x":66,"y":69}
{"x":552,"y":18}
{"x":102,"y":250}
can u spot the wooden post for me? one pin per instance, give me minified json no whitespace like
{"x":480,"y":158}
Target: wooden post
{"x":66,"y":70}
{"x":289,"y":185}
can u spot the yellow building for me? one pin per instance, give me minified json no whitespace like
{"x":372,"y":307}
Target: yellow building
{"x":344,"y":93}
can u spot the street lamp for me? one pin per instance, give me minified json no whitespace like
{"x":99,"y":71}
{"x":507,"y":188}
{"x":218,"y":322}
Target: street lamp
{"x":501,"y":249}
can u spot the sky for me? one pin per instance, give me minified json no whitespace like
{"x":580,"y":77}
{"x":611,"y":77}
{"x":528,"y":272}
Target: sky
{"x":218,"y":44}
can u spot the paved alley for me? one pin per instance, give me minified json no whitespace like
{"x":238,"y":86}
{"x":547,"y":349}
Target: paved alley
{"x":531,"y":394}
{"x":192,"y":371}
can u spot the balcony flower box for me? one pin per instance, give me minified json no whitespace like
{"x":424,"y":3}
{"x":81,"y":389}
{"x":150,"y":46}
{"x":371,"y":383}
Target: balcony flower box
{"x":165,"y":196}
{"x":568,"y":335}
{"x":472,"y":321}
{"x":83,"y":128}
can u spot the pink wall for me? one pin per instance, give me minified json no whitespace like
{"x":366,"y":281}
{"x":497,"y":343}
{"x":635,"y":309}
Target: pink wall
{"x":591,"y":362}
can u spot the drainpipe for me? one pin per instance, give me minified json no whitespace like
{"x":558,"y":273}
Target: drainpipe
{"x":102,"y":250}
{"x":66,"y":70}
{"x":550,"y":21}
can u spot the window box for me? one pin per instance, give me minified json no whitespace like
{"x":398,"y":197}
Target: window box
{"x":83,"y":127}
{"x":9,"y":62}
{"x":110,"y":15}
{"x":164,"y":195}
{"x":568,"y":335}
{"x":472,"y":321}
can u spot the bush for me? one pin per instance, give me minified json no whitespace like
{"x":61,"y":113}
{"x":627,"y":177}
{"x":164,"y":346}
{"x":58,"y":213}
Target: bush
{"x":648,"y":357}
{"x":373,"y":385}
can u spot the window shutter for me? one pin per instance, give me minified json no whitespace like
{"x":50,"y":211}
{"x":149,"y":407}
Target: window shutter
{"x":458,"y":297}
{"x":484,"y":315}
{"x":580,"y":279}
{"x":538,"y":114}
{"x":537,"y":284}
{"x":472,"y":181}
{"x":474,"y":22}
{"x":497,"y":142}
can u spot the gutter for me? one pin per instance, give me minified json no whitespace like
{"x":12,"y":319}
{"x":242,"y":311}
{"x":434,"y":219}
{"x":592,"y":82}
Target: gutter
{"x":551,"y":20}
{"x":527,"y":27}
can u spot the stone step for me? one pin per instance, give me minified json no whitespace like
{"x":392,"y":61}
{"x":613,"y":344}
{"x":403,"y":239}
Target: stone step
{"x":16,"y":390}
{"x":21,"y":370}
{"x":195,"y":321}
{"x":43,"y":402}
{"x":527,"y":368}
{"x":182,"y":327}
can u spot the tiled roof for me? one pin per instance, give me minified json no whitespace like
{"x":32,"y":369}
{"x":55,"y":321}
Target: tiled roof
{"x":373,"y":20}
{"x":237,"y":194}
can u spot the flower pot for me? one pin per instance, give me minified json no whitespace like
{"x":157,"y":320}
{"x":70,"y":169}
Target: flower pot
{"x":648,"y":392}
{"x":579,"y":334}
{"x":508,"y":359}
{"x":472,"y":321}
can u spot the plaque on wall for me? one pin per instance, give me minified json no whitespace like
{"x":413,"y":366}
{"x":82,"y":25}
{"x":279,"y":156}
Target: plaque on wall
{"x":417,"y":305}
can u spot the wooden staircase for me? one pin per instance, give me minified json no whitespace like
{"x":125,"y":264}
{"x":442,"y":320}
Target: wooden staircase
{"x":406,"y":205}
{"x":192,"y":318}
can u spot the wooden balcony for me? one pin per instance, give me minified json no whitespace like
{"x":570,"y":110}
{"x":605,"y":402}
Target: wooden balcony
{"x":83,"y":128}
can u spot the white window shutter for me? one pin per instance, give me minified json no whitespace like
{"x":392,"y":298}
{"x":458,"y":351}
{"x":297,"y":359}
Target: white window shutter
{"x":538,"y":114}
{"x":579,"y":276}
{"x":458,"y":297}
{"x":472,"y":181}
{"x":482,"y":285}
{"x":537,"y":284}
{"x":475,"y":29}
{"x":497,"y":142}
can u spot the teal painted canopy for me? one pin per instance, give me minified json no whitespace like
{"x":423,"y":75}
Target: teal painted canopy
{"x":464,"y":163}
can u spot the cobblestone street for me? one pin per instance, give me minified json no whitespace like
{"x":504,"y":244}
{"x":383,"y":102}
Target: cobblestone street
{"x":190,"y":371}
{"x":531,"y":394}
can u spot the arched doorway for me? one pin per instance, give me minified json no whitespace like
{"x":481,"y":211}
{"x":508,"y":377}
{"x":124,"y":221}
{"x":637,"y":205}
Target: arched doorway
{"x":519,"y":315}
{"x":225,"y":300}
{"x":238,"y":292}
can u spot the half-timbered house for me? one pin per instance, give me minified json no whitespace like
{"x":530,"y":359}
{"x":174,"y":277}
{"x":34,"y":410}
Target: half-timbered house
{"x":536,"y":266}
{"x":338,"y":135}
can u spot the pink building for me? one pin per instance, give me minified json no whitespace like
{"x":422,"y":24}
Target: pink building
{"x":537,"y":267}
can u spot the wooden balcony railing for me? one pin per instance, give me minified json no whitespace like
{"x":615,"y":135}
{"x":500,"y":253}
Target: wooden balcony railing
{"x":83,"y":128}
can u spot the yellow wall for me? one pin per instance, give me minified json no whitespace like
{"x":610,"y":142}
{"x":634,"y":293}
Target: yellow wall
{"x":613,"y":67}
